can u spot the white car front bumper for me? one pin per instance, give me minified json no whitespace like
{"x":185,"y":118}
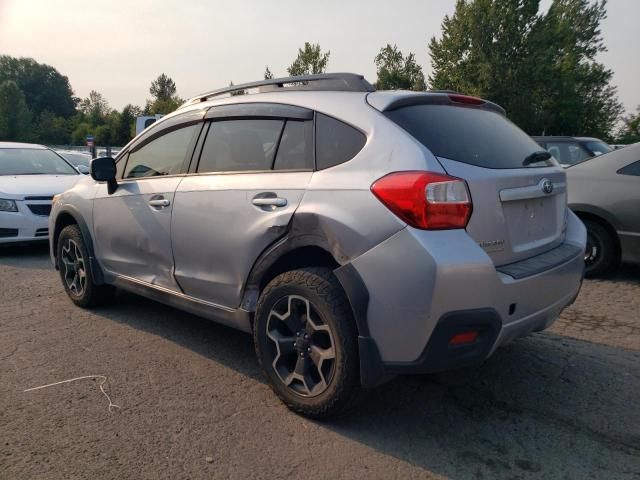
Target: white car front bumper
{"x":29,"y":223}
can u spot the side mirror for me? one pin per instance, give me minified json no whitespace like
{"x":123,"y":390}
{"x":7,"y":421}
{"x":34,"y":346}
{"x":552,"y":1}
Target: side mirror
{"x":103,"y":169}
{"x":83,"y":169}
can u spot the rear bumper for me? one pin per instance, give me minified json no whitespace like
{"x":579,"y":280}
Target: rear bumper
{"x":418,"y":281}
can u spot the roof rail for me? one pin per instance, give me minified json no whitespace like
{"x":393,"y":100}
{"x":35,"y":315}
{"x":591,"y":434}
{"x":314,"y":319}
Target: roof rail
{"x":345,"y":82}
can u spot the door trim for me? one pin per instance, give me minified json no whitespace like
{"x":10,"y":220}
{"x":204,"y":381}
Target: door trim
{"x":236,"y":318}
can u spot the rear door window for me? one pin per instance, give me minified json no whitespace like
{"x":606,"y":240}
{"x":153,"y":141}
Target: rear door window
{"x":469,"y":135}
{"x":295,"y":151}
{"x":336,"y":142}
{"x":240,"y":145}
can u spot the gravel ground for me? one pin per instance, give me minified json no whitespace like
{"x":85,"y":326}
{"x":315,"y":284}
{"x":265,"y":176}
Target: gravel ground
{"x":559,"y":404}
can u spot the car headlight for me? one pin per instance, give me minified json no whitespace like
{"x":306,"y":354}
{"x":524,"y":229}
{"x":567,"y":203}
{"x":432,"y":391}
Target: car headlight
{"x":8,"y":205}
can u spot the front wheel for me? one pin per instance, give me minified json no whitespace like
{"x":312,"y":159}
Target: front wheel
{"x":75,"y":270}
{"x":306,"y":342}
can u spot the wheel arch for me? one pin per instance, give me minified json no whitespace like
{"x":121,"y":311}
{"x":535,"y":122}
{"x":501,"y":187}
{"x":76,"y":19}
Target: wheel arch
{"x":70,"y":216}
{"x":602,"y":218}
{"x":313,"y":249}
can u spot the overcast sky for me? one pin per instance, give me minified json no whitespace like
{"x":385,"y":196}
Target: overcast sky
{"x":118,"y":47}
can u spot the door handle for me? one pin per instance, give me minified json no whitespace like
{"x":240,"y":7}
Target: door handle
{"x":159,"y":202}
{"x":270,"y":202}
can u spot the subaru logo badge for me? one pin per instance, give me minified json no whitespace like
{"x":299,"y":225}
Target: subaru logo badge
{"x":547,"y":186}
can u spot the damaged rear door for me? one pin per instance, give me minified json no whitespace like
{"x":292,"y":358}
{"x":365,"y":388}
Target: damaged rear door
{"x":255,"y":163}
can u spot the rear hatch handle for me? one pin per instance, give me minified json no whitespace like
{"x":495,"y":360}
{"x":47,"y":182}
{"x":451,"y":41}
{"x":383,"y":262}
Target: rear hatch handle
{"x":544,"y":188}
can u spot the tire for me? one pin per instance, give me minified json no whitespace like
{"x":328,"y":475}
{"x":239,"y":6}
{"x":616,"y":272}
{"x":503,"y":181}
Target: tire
{"x":75,"y":270}
{"x":601,"y":256}
{"x":301,"y":368}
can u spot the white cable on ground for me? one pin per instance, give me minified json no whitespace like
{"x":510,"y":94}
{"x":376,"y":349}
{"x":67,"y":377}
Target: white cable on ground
{"x":104,"y":379}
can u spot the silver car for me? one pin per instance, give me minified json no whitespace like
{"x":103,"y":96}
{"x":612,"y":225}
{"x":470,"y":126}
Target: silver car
{"x":357,"y":234}
{"x":605,"y":193}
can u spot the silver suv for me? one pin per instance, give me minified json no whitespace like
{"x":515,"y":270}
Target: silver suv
{"x":358,"y":234}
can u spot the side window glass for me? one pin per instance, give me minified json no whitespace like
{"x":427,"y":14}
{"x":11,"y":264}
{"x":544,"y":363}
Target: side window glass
{"x":296,"y":146}
{"x":164,"y":155}
{"x":567,"y":153}
{"x":336,"y":142}
{"x":631,"y":169}
{"x":240,"y":145}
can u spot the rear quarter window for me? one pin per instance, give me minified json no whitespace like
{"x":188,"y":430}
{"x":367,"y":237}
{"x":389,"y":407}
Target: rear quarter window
{"x":469,"y":135}
{"x":631,"y":169}
{"x":336,"y":142}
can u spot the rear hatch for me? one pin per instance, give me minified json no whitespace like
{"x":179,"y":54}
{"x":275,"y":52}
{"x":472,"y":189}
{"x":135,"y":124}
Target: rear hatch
{"x":519,"y":207}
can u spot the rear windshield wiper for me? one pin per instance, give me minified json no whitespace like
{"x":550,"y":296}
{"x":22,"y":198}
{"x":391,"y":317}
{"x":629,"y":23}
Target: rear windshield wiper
{"x":535,"y":157}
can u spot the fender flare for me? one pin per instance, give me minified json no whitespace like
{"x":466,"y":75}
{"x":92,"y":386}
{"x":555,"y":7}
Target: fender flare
{"x":97,"y":274}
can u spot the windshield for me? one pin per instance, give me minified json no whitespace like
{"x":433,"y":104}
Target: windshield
{"x":76,"y":159}
{"x":597,"y":147}
{"x":31,"y":161}
{"x":470,"y":135}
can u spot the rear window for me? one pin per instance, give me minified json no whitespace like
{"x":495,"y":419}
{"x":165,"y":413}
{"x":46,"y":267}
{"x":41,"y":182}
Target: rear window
{"x":468,"y":135}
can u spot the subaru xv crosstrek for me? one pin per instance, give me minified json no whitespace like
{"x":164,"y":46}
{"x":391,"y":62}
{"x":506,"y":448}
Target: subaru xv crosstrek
{"x":357,"y":234}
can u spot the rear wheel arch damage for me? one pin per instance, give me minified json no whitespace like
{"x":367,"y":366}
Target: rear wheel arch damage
{"x":289,"y":255}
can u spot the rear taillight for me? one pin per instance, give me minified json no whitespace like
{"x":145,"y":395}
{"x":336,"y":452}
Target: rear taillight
{"x":426,"y":200}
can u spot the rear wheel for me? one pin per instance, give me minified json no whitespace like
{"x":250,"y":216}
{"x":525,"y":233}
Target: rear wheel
{"x":75,"y":270}
{"x":306,"y":342}
{"x":601,"y":255}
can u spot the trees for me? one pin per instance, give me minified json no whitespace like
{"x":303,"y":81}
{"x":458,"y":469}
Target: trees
{"x":630,"y":130}
{"x":398,"y":72}
{"x":52,"y":130}
{"x":95,"y":107}
{"x":165,"y":99}
{"x":267,"y":73}
{"x":541,"y":67}
{"x":310,"y":60}
{"x":44,"y":88}
{"x":15,"y":117}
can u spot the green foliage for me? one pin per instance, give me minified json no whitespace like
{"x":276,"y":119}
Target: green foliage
{"x":44,"y":88}
{"x":15,"y":117}
{"x":163,"y":88}
{"x":79,"y":135}
{"x":52,"y":130}
{"x":630,"y":131}
{"x":267,"y":73}
{"x":124,"y":125}
{"x":398,"y":72}
{"x":95,"y":107}
{"x":310,"y":61}
{"x":165,"y":99}
{"x":541,"y":67}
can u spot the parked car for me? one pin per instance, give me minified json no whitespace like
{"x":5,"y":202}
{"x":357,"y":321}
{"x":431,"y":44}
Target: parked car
{"x":357,"y":234}
{"x":30,"y":175}
{"x":605,"y":193}
{"x":570,"y":150}
{"x":80,"y":160}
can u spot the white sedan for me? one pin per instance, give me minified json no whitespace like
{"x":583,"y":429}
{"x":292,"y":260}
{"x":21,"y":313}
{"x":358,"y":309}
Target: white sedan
{"x":30,"y":175}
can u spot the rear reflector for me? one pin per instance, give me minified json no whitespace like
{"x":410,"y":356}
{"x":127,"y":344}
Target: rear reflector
{"x":464,"y":338}
{"x":425,"y":200}
{"x":466,"y":99}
